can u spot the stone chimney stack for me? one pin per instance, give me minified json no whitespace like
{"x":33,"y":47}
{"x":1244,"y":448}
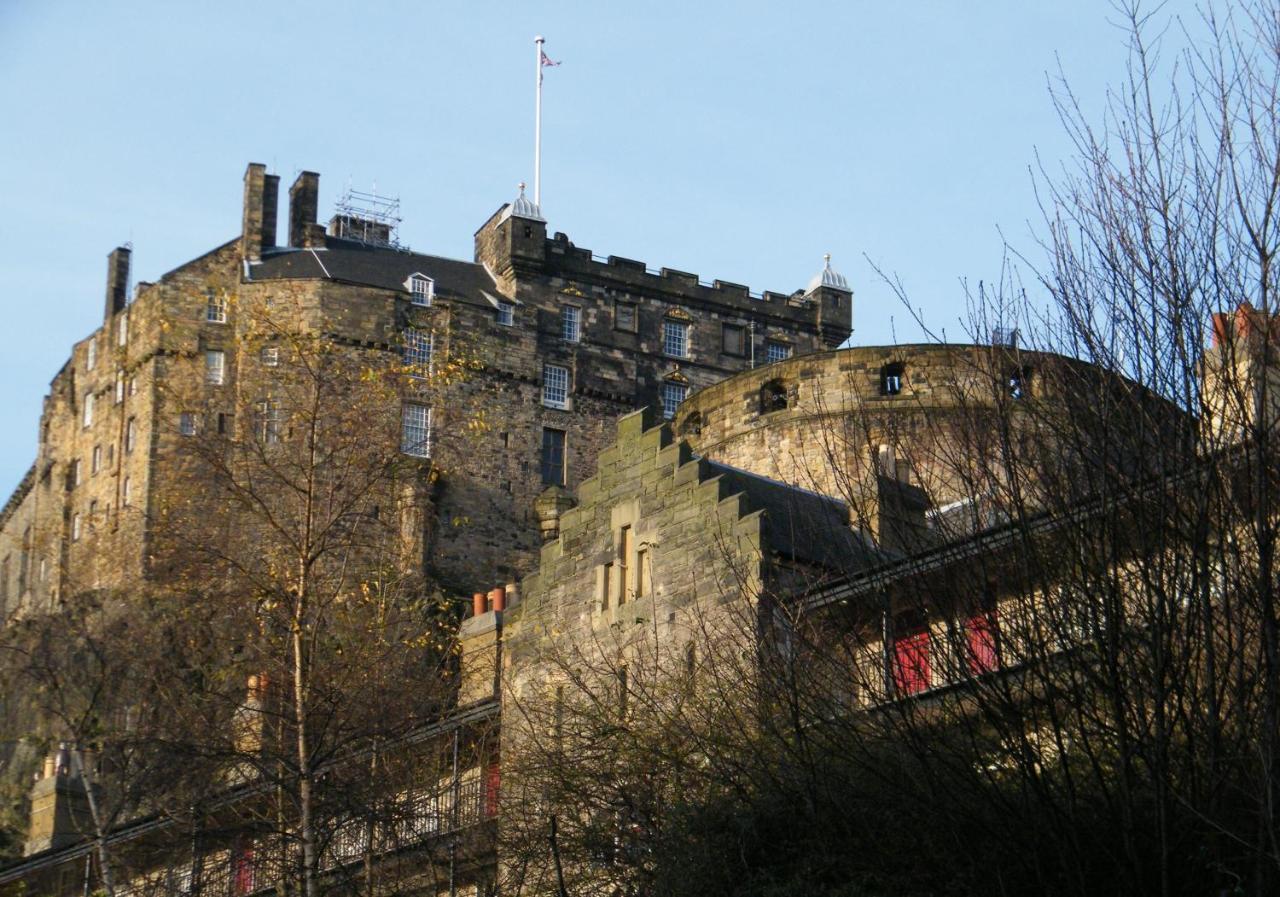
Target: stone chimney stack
{"x":304,"y":207}
{"x":117,"y":281}
{"x":261,"y":197}
{"x":59,"y":806}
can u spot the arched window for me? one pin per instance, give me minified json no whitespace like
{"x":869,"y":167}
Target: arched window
{"x":773,"y":397}
{"x":892,"y":376}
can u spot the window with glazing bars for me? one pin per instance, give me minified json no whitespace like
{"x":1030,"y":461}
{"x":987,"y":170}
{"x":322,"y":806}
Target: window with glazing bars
{"x":672,"y":395}
{"x":415,"y":430}
{"x":421,"y":290}
{"x":418,"y":346}
{"x":675,"y":339}
{"x":775,"y":351}
{"x":506,"y":314}
{"x":570,"y":323}
{"x":215,"y":308}
{"x":555,"y":386}
{"x":215,"y":365}
{"x":552,"y":457}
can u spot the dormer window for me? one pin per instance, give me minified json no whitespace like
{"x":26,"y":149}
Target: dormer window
{"x":422,"y":289}
{"x":891,"y":378}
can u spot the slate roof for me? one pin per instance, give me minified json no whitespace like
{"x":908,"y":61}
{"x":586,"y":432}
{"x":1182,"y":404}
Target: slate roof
{"x":803,"y":525}
{"x":349,"y":261}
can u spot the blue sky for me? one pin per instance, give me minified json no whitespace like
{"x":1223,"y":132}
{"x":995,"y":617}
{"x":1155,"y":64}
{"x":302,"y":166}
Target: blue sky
{"x":737,"y":140}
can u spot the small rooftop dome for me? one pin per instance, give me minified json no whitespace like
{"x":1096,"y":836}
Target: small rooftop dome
{"x":523,"y":207}
{"x":828,"y":278}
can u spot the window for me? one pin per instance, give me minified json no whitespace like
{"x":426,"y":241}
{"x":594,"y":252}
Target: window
{"x":215,"y":308}
{"x":126,"y":492}
{"x":111,"y":452}
{"x":75,"y":528}
{"x":675,"y":339}
{"x":553,"y":457}
{"x":415,"y":430}
{"x":133,"y":386}
{"x":93,"y":512}
{"x":606,"y":584}
{"x":980,"y":633}
{"x":215,"y":363}
{"x":418,"y":346}
{"x":88,"y":410}
{"x":911,"y":673}
{"x":119,"y":387}
{"x":672,"y":395}
{"x":626,"y":547}
{"x":570,"y":323}
{"x":624,"y":316}
{"x":773,"y":397}
{"x":891,"y":379}
{"x":267,"y":418}
{"x":555,"y":386}
{"x":270,"y":356}
{"x":130,"y":434}
{"x":187,"y":423}
{"x":733,"y":340}
{"x":506,"y":313}
{"x":95,"y":464}
{"x":122,"y":329}
{"x":422,"y":289}
{"x":73,"y":473}
{"x":91,"y":355}
{"x":1018,"y":380}
{"x":642,"y":572}
{"x":775,"y":351}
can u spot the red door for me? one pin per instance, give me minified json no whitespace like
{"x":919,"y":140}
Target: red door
{"x":981,"y":630}
{"x":911,"y":662}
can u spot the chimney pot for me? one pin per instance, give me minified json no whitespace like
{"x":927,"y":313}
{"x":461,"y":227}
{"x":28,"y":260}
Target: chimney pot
{"x":498,"y":598}
{"x":478,"y":604}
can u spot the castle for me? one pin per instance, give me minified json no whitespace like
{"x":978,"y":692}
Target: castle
{"x":672,"y":469}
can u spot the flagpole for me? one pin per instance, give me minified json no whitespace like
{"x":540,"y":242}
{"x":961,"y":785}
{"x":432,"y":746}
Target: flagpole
{"x":537,"y":125}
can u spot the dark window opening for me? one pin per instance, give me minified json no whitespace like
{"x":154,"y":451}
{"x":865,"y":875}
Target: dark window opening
{"x":734,"y":340}
{"x":892,"y":377}
{"x":552,"y":457}
{"x":1019,"y":380}
{"x":773,"y":397}
{"x":692,"y":425}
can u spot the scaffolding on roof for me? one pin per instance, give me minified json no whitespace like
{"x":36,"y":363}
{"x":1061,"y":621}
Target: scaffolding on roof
{"x":369,"y":218}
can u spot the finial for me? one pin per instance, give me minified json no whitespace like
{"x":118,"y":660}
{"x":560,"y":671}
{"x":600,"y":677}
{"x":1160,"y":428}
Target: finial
{"x":522,"y":188}
{"x":826,"y":257}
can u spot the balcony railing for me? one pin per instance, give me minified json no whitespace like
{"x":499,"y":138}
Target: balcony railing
{"x":412,"y":819}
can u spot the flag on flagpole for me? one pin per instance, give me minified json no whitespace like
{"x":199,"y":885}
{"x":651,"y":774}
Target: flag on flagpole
{"x":547,"y":60}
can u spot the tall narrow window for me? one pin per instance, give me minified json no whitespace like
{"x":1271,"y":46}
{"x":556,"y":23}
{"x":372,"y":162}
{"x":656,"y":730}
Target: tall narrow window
{"x":215,"y":364}
{"x":626,"y":547}
{"x":672,"y":395}
{"x":126,"y":492}
{"x":88,"y":410}
{"x":215,"y":307}
{"x":95,"y":463}
{"x":415,"y":430}
{"x":133,"y":386}
{"x":506,"y":313}
{"x":606,"y":584}
{"x":421,"y":290}
{"x":553,"y":442}
{"x":119,"y":387}
{"x":91,"y":354}
{"x":418,"y":349}
{"x":130,"y":434}
{"x":267,"y":420}
{"x":570,"y":323}
{"x":75,"y":528}
{"x":642,"y":573}
{"x":122,"y":329}
{"x":73,"y":475}
{"x":555,"y":386}
{"x":675,"y":339}
{"x":775,"y":351}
